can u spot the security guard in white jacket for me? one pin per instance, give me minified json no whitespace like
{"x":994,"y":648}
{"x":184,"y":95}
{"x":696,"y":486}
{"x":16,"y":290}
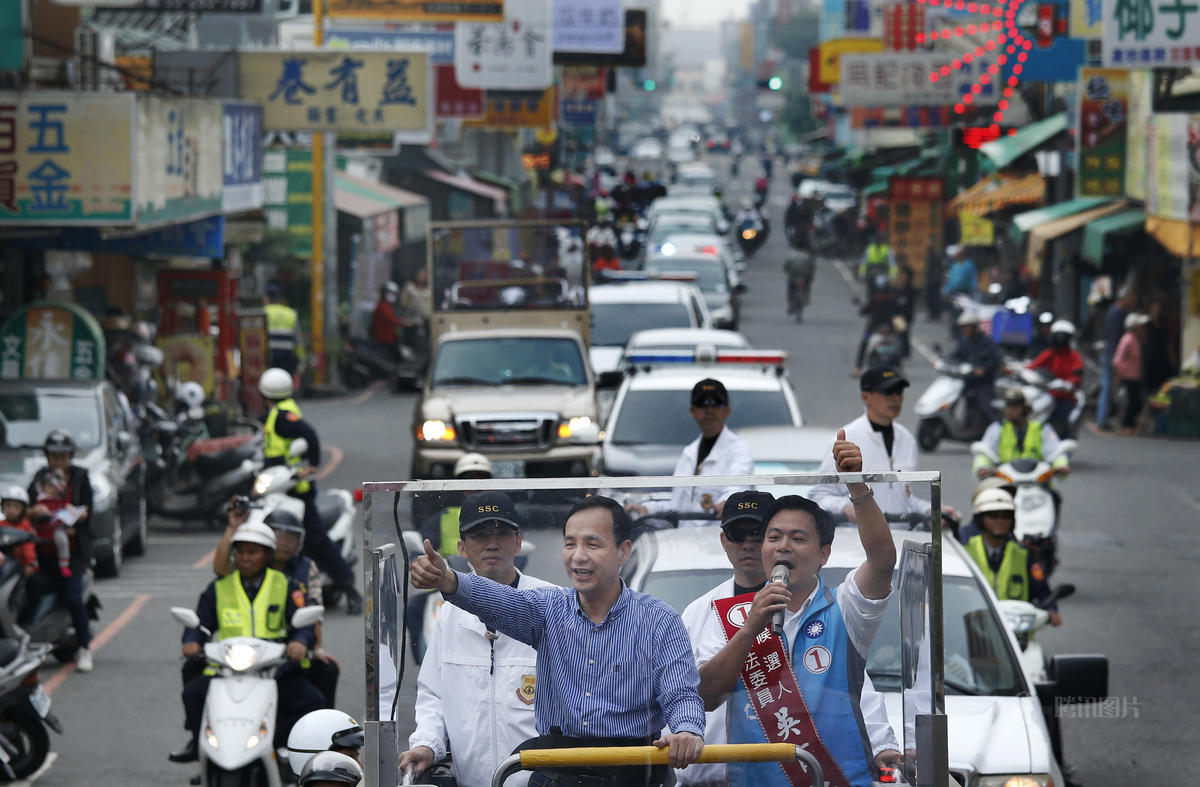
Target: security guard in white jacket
{"x":476,"y":687}
{"x":717,"y":451}
{"x":886,"y":446}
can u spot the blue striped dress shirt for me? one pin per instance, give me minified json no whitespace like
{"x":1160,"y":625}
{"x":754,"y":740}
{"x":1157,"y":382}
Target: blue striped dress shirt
{"x":626,"y":678}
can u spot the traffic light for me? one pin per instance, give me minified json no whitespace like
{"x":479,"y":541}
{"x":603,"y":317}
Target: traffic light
{"x":649,"y":85}
{"x":775,"y":83}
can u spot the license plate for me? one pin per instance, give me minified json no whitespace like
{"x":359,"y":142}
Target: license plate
{"x":40,"y":701}
{"x":513,"y":469}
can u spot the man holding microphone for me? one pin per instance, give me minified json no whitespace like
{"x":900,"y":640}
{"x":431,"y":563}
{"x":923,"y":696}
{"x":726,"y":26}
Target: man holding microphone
{"x":800,"y":680}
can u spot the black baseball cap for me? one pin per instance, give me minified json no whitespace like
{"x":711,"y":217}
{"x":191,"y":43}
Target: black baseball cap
{"x":487,"y":507}
{"x":709,"y":389}
{"x":746,"y":509}
{"x":881,"y":379}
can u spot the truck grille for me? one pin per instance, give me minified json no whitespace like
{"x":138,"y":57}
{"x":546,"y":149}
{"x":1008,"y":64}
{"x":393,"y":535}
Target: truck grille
{"x":507,"y":431}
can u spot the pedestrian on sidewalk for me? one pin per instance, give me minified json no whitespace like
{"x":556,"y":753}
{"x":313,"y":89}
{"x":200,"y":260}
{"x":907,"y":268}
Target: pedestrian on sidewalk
{"x":905,"y":303}
{"x":1127,"y":361}
{"x":1114,"y":329}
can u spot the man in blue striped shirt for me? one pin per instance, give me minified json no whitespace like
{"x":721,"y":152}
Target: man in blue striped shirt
{"x":614,"y":666}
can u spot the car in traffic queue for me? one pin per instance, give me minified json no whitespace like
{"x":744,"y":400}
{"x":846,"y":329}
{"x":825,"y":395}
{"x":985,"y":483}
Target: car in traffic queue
{"x":695,"y":175}
{"x":99,"y":419}
{"x":702,"y":256}
{"x":650,"y":425}
{"x":1001,"y":725}
{"x":702,"y":342}
{"x":524,"y":398}
{"x":702,"y":204}
{"x":784,"y":450}
{"x":634,"y":302}
{"x":667,"y":224}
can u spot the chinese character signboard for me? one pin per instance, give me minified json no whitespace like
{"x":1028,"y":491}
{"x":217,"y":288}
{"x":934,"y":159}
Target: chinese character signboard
{"x":1103,"y":117}
{"x":1141,"y":91}
{"x":341,"y":91}
{"x":589,"y":26}
{"x":67,"y":158}
{"x":242,"y":167}
{"x":1086,"y":16}
{"x":832,"y":52}
{"x":516,"y":110}
{"x":632,"y":54}
{"x":976,"y":230}
{"x":579,"y":112}
{"x":1151,"y":33}
{"x":583,"y":82}
{"x":894,"y":80}
{"x":438,"y":43}
{"x":252,"y":341}
{"x":454,"y":100}
{"x":901,"y":23}
{"x":419,"y":10}
{"x":911,"y":116}
{"x":511,"y":55}
{"x":193,"y":6}
{"x":287,"y":196}
{"x":1170,"y":145}
{"x":915,"y":220}
{"x":51,"y":341}
{"x":179,"y":158}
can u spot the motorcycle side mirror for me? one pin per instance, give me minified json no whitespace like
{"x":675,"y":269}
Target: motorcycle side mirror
{"x":980,"y":447}
{"x":299,"y":447}
{"x":187,"y":617}
{"x":1065,"y":590}
{"x":1064,"y":448}
{"x":739,"y":288}
{"x":610,"y":379}
{"x":307,"y":616}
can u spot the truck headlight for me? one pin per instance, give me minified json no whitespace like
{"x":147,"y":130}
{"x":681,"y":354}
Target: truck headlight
{"x":435,"y":431}
{"x":1016,"y":780}
{"x":580,"y":429}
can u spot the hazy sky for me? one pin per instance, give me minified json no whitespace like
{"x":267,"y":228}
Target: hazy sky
{"x":702,"y":13}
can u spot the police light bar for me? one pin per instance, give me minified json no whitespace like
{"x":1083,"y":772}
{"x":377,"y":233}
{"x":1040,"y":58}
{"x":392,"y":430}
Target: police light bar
{"x":705,"y":355}
{"x":755,"y":357}
{"x":661,"y":356}
{"x":624,"y":276}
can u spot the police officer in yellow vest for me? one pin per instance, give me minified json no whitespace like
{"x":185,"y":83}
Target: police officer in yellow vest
{"x":1017,"y":437}
{"x":284,"y":342}
{"x":442,"y":528}
{"x":284,"y":424}
{"x":1007,"y":566}
{"x":254,"y":601}
{"x":878,"y":264}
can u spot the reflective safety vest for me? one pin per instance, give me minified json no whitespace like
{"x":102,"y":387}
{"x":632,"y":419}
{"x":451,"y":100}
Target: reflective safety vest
{"x":1011,"y":581}
{"x":1007,"y":448}
{"x":281,"y":327}
{"x":263,"y":618}
{"x":276,"y":447}
{"x":449,"y":530}
{"x":879,"y":255}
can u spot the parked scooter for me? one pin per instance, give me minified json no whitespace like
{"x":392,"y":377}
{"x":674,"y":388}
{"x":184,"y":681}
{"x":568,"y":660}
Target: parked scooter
{"x":233,"y":748}
{"x":24,"y":709}
{"x":49,"y":620}
{"x":335,"y":507}
{"x":1039,"y":507}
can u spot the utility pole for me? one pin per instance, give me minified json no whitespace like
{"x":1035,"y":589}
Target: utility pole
{"x":317,"y":267}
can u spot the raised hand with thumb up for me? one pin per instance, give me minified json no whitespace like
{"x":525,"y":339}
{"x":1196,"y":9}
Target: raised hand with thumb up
{"x":430,"y":572}
{"x":846,"y":454}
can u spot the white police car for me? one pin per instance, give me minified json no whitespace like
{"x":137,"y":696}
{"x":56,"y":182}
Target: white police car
{"x":649,"y":424}
{"x":998,"y":731}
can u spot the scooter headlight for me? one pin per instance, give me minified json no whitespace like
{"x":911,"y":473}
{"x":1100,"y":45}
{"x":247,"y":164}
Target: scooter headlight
{"x":261,"y":484}
{"x":239,"y":657}
{"x":257,"y":738}
{"x":212,"y":739}
{"x":1020,"y":624}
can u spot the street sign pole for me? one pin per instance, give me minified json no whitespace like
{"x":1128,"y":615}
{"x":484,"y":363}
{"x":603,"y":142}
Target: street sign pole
{"x":317,"y":268}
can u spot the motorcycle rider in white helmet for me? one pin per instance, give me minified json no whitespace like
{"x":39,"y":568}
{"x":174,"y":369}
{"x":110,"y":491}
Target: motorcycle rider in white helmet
{"x":330,"y":769}
{"x":1066,"y":364}
{"x":254,"y":601}
{"x":284,"y":424}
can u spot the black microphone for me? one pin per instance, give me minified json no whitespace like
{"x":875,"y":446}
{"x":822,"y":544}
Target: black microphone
{"x":779,"y":574}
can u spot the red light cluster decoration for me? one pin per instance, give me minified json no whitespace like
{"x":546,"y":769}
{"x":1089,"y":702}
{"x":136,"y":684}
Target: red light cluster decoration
{"x":974,"y":136}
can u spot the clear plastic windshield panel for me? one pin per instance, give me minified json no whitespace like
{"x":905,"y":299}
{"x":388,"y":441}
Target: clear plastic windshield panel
{"x":501,"y":266}
{"x":810,"y":686}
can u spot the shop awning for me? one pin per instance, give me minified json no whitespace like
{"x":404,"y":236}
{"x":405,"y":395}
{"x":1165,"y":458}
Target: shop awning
{"x":1006,"y":150}
{"x":1041,"y":235}
{"x":1173,"y":235}
{"x":1095,"y":233}
{"x":472,"y":186}
{"x":992,"y":194}
{"x":875,"y":188}
{"x":1024,"y":222}
{"x":365,"y":198}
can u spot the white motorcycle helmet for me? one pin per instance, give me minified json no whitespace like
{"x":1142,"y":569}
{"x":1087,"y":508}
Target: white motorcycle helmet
{"x":330,"y":767}
{"x":190,"y":394}
{"x":14,"y":492}
{"x":255,"y":533}
{"x":991,"y":500}
{"x":1063,"y":326}
{"x":275,"y":383}
{"x":477,"y":465}
{"x":320,"y":731}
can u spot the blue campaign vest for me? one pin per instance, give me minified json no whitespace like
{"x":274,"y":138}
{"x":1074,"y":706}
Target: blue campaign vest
{"x":832,"y":698}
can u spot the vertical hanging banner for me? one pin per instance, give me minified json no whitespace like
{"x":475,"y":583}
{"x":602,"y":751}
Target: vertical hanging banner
{"x":287,"y":196}
{"x":589,"y":26}
{"x":454,"y":100}
{"x":418,"y":10}
{"x":341,"y":91}
{"x":242,"y":157}
{"x":512,"y":55}
{"x":1103,"y":120}
{"x":178,"y":166}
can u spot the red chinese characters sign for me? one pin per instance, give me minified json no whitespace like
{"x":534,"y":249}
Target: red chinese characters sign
{"x":915,"y":220}
{"x":454,"y":100}
{"x":901,"y":23}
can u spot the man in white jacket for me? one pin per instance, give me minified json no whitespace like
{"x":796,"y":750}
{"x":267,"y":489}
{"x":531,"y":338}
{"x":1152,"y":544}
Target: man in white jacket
{"x":886,"y":446}
{"x":476,"y":687}
{"x":717,"y":451}
{"x":742,"y":530}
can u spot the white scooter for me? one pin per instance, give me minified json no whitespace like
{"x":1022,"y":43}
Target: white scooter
{"x":1037,"y":508}
{"x":1025,"y":619}
{"x":335,"y":507}
{"x":942,"y":408}
{"x":238,"y":725}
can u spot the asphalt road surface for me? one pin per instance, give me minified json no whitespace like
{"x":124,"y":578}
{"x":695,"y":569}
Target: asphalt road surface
{"x":1129,"y":544}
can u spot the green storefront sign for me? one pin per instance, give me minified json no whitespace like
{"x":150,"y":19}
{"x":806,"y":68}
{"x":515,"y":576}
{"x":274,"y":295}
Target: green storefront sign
{"x":287,"y":196}
{"x":12,"y":36}
{"x":52,"y":341}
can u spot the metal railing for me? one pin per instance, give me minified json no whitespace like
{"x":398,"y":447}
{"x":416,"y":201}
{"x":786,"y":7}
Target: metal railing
{"x":617,"y":756}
